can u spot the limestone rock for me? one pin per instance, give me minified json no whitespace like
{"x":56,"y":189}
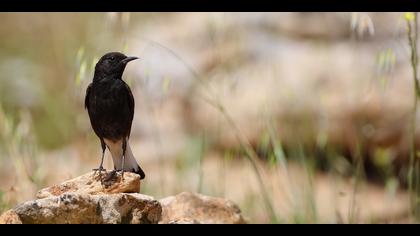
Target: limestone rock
{"x":91,"y":184}
{"x":75,"y":208}
{"x":10,"y":217}
{"x":88,"y":200}
{"x":195,"y":208}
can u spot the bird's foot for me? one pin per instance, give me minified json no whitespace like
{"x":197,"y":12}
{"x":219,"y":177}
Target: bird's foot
{"x":122,"y":174}
{"x":110,"y":176}
{"x":100,"y":169}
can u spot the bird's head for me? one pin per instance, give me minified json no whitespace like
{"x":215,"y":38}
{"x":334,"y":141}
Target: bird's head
{"x":112,"y":64}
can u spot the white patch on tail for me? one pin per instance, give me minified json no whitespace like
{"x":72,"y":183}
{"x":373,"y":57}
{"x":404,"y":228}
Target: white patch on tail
{"x":130,"y":162}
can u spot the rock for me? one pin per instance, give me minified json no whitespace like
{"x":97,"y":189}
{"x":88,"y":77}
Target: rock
{"x":75,"y":208}
{"x":10,"y":217}
{"x":90,"y":184}
{"x":84,"y":200}
{"x":193,"y":208}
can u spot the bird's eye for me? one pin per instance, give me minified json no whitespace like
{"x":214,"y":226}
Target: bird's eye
{"x":112,"y":58}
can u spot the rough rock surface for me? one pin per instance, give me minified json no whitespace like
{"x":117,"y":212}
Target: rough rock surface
{"x":74,"y":208}
{"x":10,"y":217}
{"x":196,"y":208}
{"x":84,"y":200}
{"x":90,"y":184}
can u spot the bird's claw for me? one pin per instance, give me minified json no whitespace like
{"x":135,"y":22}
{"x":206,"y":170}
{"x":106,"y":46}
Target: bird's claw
{"x":122,"y":174}
{"x":100,"y":169}
{"x":110,"y":176}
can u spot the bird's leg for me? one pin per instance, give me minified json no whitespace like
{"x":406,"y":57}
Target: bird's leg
{"x":124,"y":147}
{"x":101,"y":168}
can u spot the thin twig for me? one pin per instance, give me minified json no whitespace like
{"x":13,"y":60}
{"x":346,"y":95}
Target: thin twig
{"x":412,"y":40}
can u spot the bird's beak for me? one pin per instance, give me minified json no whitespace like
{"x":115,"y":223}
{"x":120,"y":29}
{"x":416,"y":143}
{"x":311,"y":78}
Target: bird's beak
{"x":128,"y":59}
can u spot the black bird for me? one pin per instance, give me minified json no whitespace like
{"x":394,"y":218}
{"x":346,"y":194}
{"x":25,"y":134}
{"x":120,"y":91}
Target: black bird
{"x":110,"y":105}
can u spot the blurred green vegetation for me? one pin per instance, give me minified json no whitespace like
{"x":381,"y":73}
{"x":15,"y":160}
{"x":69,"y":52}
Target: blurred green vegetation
{"x":45,"y":61}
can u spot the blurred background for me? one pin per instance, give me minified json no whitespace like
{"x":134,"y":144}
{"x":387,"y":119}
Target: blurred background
{"x":296,"y":117}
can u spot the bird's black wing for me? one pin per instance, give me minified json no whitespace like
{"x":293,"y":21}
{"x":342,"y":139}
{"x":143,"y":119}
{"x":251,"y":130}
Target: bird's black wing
{"x":87,"y":96}
{"x":130,"y":100}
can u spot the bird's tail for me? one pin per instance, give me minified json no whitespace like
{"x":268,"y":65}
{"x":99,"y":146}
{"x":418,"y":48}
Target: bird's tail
{"x":130,"y":163}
